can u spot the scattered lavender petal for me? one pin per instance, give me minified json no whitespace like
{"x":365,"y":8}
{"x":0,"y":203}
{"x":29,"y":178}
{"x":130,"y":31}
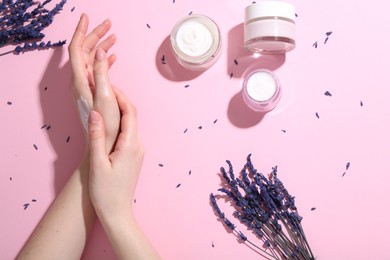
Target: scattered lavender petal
{"x":284,"y":131}
{"x":148,"y":25}
{"x":347,"y":166}
{"x":235,"y":62}
{"x":231,"y":75}
{"x":35,"y":147}
{"x":163,"y":58}
{"x":361,"y":103}
{"x":48,"y":127}
{"x":190,"y":13}
{"x":317,"y":115}
{"x":343,"y":174}
{"x":164,"y":62}
{"x":34,"y":200}
{"x":328,"y":33}
{"x":296,"y":15}
{"x":72,"y":9}
{"x":25,"y":206}
{"x":200,"y":127}
{"x":44,"y":126}
{"x":212,"y":242}
{"x":326,"y":40}
{"x":327,"y":93}
{"x":68,"y":139}
{"x":315,"y":44}
{"x":178,"y":185}
{"x":9,"y":103}
{"x":45,"y":88}
{"x":10,"y":178}
{"x":135,"y":200}
{"x":173,"y":1}
{"x":186,"y":86}
{"x":190,"y":172}
{"x":313,"y":208}
{"x":215,"y":121}
{"x":161,"y":165}
{"x":185,"y":131}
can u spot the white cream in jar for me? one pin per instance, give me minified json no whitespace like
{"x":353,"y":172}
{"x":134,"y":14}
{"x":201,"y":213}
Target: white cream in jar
{"x":261,"y":90}
{"x":196,"y":42}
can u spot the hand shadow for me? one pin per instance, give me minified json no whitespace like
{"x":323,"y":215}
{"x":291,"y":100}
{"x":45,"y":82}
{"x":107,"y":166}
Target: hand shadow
{"x":61,"y":119}
{"x":67,"y":137}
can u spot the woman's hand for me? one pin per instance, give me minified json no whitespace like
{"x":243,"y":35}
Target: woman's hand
{"x":112,"y":181}
{"x":113,"y":176}
{"x":90,"y":84}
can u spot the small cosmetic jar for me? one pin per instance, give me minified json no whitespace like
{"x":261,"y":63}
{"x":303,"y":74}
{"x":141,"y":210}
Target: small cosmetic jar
{"x":261,"y":90}
{"x":196,"y":42}
{"x":269,"y":27}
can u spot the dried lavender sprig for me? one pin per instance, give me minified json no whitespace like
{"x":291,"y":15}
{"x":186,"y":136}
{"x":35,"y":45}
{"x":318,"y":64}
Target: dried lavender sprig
{"x":266,"y":202}
{"x":231,"y":226}
{"x":17,"y":16}
{"x":37,"y":46}
{"x":18,"y":24}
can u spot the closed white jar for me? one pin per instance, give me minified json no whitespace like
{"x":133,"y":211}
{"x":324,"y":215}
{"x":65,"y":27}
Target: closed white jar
{"x":269,"y":27}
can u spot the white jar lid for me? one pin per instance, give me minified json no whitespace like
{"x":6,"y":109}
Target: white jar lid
{"x":270,"y":8}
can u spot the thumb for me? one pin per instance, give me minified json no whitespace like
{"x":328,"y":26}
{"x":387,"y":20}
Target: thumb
{"x":97,"y":139}
{"x":100,"y":74}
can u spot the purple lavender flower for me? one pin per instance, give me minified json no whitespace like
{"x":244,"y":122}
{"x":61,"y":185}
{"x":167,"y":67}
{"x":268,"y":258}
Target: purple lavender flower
{"x":38,"y":46}
{"x":266,"y":208}
{"x":22,"y":21}
{"x":242,"y":236}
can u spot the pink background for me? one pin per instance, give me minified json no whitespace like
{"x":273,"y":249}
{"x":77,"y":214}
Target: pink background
{"x":351,"y":211}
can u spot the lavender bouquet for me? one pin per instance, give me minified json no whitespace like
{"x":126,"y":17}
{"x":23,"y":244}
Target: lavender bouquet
{"x":266,"y":208}
{"x":22,"y":23}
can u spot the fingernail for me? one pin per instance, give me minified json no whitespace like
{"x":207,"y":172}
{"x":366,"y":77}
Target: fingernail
{"x":100,"y":54}
{"x":94,"y":117}
{"x":84,"y":109}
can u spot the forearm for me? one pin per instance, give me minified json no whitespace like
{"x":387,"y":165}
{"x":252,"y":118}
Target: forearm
{"x":63,"y":231}
{"x":127,"y":239}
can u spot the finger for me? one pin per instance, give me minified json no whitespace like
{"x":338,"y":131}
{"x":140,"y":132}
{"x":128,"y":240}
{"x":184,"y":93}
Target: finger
{"x":128,"y":133}
{"x":94,"y":37}
{"x":107,"y":43}
{"x":111,"y":60}
{"x":76,"y":44}
{"x":97,"y":143}
{"x":104,"y":98}
{"x":100,"y":75}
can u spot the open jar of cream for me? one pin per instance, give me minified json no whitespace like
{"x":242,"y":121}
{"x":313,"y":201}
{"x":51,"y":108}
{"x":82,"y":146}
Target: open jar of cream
{"x":261,"y":90}
{"x":196,"y":42}
{"x":269,"y":27}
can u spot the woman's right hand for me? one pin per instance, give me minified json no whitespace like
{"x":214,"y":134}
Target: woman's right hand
{"x":113,"y":176}
{"x":112,"y":181}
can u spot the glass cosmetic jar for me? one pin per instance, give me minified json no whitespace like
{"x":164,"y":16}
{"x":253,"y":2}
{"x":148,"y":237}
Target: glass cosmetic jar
{"x":196,"y":42}
{"x":261,"y":90}
{"x":269,"y":27}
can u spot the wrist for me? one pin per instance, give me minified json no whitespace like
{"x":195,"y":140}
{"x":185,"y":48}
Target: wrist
{"x":114,"y":218}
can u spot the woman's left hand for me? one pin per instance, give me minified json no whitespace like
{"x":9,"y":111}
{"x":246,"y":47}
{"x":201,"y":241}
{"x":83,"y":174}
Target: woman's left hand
{"x":83,"y":51}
